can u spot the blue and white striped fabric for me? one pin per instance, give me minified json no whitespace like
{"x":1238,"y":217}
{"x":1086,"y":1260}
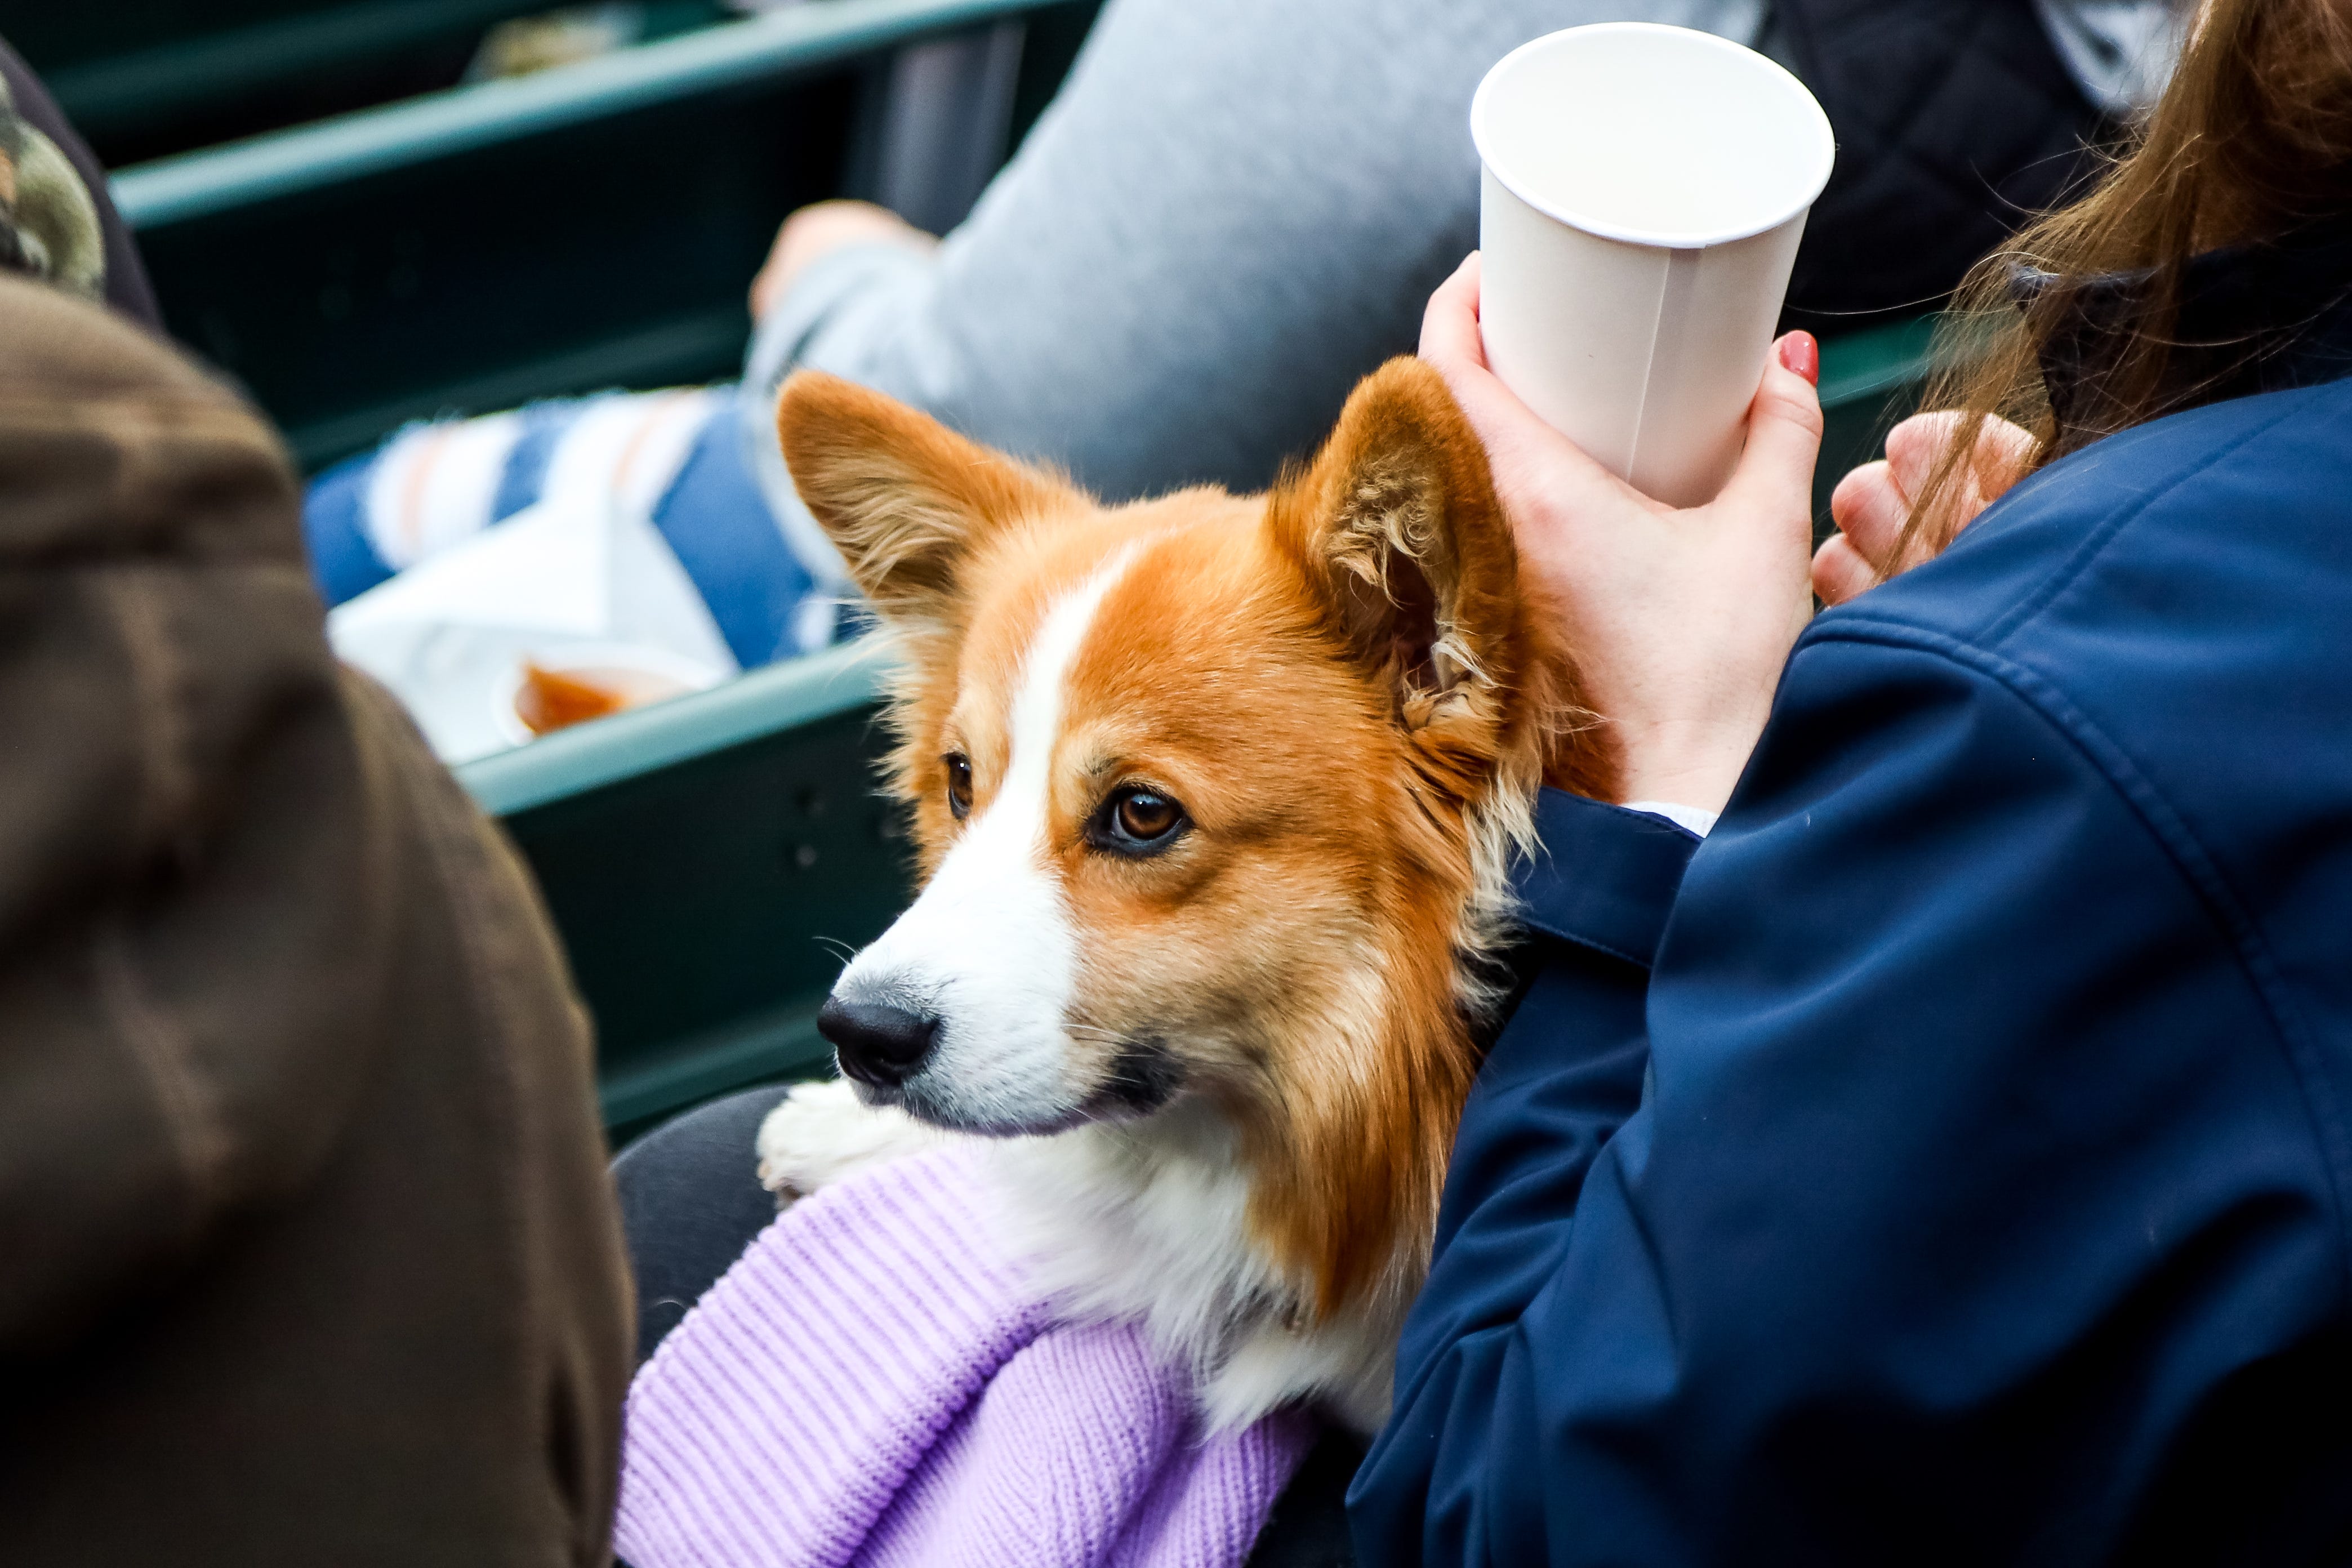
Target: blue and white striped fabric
{"x":678,"y":457}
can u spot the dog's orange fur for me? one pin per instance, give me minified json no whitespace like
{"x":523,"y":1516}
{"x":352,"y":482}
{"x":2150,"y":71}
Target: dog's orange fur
{"x":1346,"y":686}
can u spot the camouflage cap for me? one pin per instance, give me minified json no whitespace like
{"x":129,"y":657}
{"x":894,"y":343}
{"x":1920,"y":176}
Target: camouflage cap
{"x":49,"y":220}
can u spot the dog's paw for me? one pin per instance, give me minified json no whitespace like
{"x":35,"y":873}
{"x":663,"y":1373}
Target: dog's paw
{"x":823,"y":1131}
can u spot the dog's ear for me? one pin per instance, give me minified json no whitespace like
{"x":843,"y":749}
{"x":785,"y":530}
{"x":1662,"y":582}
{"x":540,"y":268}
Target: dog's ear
{"x":903,"y":498}
{"x":1396,"y":525}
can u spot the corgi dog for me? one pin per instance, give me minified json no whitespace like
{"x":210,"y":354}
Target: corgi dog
{"x":1216,"y":799}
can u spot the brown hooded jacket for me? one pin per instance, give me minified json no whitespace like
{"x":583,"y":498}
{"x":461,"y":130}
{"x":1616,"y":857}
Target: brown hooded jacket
{"x":308,"y":1253}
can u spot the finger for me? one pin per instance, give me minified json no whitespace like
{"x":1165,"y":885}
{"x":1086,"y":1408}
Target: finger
{"x":1515,"y":439}
{"x":2004,"y":453}
{"x":2000,"y":456}
{"x":1916,"y":446}
{"x":1784,"y":439}
{"x":1871,"y":509}
{"x":1839,"y":572}
{"x":1449,"y":327}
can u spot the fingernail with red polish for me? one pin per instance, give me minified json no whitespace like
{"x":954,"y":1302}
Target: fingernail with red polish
{"x":1801,"y":354}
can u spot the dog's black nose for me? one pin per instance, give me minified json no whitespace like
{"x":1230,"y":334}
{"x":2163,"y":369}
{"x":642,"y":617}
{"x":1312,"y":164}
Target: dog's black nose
{"x":877,"y":1044}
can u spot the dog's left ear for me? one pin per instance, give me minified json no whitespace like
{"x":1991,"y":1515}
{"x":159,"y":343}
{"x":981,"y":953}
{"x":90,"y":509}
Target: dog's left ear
{"x":1397,"y":527}
{"x":907,"y":500}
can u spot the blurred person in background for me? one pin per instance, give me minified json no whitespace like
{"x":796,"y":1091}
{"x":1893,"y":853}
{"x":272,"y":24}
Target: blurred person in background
{"x":308,"y":1253}
{"x":1232,"y":213}
{"x":1946,"y":1159}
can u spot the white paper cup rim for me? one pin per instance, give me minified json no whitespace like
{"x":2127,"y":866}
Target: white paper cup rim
{"x":1824,"y":140}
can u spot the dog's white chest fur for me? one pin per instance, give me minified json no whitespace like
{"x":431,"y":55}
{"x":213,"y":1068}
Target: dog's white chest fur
{"x":1141,"y":1222}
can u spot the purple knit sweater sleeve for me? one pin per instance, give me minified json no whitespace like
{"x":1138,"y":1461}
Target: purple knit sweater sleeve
{"x":876,"y":1382}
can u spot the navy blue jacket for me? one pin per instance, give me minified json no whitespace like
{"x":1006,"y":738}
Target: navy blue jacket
{"x":1947,"y":1162}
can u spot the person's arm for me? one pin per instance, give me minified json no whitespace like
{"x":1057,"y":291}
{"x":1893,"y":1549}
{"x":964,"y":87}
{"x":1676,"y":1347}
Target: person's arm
{"x":1184,"y":268}
{"x":1230,"y":213}
{"x":1592,"y":905}
{"x":1969,"y":1167}
{"x":830,"y":260}
{"x":1971,"y":1184}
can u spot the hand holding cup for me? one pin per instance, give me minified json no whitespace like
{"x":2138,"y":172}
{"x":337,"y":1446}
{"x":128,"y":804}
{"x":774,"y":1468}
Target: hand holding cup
{"x":1680,"y":618}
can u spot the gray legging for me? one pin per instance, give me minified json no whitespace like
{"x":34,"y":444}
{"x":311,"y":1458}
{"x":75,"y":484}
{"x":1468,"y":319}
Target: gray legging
{"x":690,"y":1204}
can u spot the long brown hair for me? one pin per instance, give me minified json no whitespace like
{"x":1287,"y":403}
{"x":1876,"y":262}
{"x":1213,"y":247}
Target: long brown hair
{"x":2251,"y":139}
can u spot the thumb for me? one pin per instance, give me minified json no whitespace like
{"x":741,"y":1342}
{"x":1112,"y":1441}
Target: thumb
{"x":1784,"y":432}
{"x":1511,"y":432}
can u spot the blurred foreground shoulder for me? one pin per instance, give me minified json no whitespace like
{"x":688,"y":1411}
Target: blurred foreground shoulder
{"x":312,"y":1250}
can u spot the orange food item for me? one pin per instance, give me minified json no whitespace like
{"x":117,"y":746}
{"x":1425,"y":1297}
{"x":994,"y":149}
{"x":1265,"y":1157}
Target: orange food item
{"x":552,"y":699}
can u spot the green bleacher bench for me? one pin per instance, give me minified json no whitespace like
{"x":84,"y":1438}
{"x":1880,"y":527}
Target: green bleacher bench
{"x":587,"y":226}
{"x":141,"y":77}
{"x":703,"y":860}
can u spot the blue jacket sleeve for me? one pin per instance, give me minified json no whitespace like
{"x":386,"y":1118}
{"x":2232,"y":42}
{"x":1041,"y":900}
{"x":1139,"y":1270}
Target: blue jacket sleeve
{"x":1969,"y":1177}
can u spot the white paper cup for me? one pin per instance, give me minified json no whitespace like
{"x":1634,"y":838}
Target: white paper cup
{"x":1645,"y":188}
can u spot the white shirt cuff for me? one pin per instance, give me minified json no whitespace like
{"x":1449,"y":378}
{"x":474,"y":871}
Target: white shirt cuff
{"x":1689,"y":819}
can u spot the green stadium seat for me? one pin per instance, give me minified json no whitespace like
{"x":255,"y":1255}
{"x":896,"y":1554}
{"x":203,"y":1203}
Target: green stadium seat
{"x":141,"y":77}
{"x":704,"y":859}
{"x":589,"y":227}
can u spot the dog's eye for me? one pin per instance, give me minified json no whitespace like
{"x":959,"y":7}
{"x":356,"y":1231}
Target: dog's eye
{"x":1138,"y":820}
{"x":958,"y":784}
{"x":1146,"y":816}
